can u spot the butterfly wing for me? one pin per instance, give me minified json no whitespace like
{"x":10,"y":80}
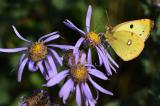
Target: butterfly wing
{"x":127,"y":45}
{"x":141,"y":27}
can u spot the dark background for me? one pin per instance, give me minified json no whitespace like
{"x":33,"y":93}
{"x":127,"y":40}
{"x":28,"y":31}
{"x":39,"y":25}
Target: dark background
{"x":136,"y":83}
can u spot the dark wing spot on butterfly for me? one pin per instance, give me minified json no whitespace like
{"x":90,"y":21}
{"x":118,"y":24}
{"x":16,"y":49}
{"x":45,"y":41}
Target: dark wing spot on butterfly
{"x":131,"y":26}
{"x":140,"y":34}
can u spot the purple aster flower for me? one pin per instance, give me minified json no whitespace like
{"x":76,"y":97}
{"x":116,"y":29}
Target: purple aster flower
{"x":77,"y":76}
{"x":38,"y":55}
{"x":38,"y":98}
{"x":93,"y":40}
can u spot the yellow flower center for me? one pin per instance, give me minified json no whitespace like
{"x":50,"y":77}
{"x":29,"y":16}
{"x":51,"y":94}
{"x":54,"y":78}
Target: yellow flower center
{"x":79,"y":73}
{"x":37,"y":51}
{"x":93,"y":38}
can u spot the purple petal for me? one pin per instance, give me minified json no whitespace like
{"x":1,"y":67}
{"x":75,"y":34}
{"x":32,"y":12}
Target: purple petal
{"x":111,"y":59}
{"x":97,"y":74}
{"x":47,"y":35}
{"x":86,"y":91}
{"x":42,"y":69}
{"x":53,"y":37}
{"x":17,"y":33}
{"x":52,"y":64}
{"x":49,"y":69}
{"x":76,"y":57}
{"x":21,"y":58}
{"x":86,"y":102}
{"x":83,"y":58}
{"x":92,"y":103}
{"x":112,"y":67}
{"x":72,"y":26}
{"x":100,"y":59}
{"x":88,"y":18}
{"x":78,"y":44}
{"x":55,"y":54}
{"x":13,"y":50}
{"x":90,"y":100}
{"x":21,"y":68}
{"x":97,"y":95}
{"x":98,"y":87}
{"x":89,"y":66}
{"x":31,"y":66}
{"x":66,"y":89}
{"x":105,"y":61}
{"x":78,"y":96}
{"x":65,"y":47}
{"x":89,"y":59}
{"x":56,"y":79}
{"x":70,"y":61}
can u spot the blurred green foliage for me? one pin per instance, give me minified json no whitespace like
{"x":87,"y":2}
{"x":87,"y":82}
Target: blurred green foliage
{"x":137,"y":82}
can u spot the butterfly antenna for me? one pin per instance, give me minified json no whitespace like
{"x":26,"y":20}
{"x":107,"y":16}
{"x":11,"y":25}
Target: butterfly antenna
{"x":108,"y":21}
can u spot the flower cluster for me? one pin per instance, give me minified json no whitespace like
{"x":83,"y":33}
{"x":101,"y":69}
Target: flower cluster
{"x":93,"y":40}
{"x":78,"y":74}
{"x":41,"y":55}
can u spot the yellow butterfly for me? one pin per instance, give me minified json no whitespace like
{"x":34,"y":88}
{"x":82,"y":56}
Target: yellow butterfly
{"x":127,"y":39}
